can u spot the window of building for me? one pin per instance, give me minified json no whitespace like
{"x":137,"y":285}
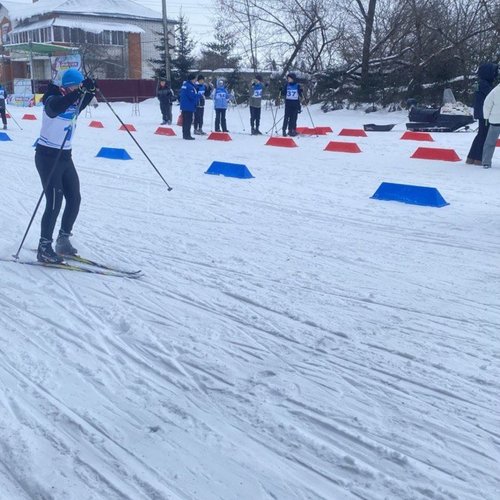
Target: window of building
{"x":117,"y":37}
{"x":58,"y":34}
{"x":106,"y":37}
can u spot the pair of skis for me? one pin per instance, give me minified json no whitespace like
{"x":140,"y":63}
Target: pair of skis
{"x":80,"y":264}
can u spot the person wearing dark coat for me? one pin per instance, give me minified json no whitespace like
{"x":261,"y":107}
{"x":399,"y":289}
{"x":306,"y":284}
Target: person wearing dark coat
{"x":3,"y":97}
{"x":486,"y":76}
{"x":188,"y":98}
{"x":292,"y":92}
{"x":166,"y":97}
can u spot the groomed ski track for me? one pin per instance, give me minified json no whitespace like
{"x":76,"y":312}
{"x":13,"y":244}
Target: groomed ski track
{"x":291,"y":338}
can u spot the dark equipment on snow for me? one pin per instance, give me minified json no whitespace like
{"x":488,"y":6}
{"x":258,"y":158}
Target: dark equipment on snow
{"x":450,"y":117}
{"x":372,"y":127}
{"x":432,"y":120}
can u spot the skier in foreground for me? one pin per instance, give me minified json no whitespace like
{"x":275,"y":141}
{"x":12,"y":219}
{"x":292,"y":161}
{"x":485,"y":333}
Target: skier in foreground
{"x":59,"y":177}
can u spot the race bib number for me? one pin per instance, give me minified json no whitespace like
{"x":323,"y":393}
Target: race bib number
{"x":292,"y":94}
{"x":257,"y":93}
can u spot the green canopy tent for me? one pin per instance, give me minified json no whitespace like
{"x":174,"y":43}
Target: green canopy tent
{"x":43,"y":49}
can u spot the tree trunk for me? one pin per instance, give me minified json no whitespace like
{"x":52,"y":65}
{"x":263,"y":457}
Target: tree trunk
{"x":367,"y":40}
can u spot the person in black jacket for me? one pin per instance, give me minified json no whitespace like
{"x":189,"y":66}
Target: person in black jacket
{"x":203,"y":92}
{"x":3,"y":97}
{"x":486,"y":74}
{"x":166,"y":97}
{"x":54,"y":163}
{"x":292,"y":93}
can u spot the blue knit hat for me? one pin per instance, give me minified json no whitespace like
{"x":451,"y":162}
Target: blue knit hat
{"x":71,"y":77}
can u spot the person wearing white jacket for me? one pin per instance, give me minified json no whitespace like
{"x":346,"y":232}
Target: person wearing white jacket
{"x":491,"y":110}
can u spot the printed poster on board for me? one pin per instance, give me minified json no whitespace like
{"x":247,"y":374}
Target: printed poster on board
{"x":60,"y":64}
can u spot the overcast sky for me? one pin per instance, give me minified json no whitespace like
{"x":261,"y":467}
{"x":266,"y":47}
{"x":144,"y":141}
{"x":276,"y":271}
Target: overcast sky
{"x":198,"y":12}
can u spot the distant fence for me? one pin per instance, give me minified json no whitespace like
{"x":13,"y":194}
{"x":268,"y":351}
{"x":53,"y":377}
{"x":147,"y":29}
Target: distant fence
{"x":128,"y":90}
{"x":117,"y":90}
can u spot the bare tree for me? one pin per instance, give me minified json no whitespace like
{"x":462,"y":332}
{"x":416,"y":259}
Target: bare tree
{"x":284,"y":26}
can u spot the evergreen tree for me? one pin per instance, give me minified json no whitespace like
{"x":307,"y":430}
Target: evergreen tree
{"x":219,"y":53}
{"x":183,"y":61}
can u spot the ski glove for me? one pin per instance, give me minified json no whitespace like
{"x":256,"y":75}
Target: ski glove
{"x":88,"y":86}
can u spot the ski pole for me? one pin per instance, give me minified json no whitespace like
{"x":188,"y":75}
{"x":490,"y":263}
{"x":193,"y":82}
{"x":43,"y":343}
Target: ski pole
{"x":275,"y":124}
{"x":274,"y":120}
{"x":275,"y":115}
{"x":13,"y":119}
{"x":134,"y":139}
{"x":49,"y":178}
{"x":310,"y":117}
{"x":239,"y":113}
{"x":241,"y":119}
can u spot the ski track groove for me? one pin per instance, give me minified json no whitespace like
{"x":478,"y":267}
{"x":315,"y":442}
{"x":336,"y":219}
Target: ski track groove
{"x":225,"y":354}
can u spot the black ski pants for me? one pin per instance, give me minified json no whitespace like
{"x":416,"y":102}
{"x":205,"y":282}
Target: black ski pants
{"x":476,"y":149}
{"x":187,"y":121}
{"x":63,"y":183}
{"x":290,"y":117}
{"x":3,"y":115}
{"x":198,"y":118}
{"x":254,"y":117}
{"x":166,"y":111}
{"x":220,"y":120}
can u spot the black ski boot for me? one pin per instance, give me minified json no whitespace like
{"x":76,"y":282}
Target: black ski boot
{"x":46,"y":254}
{"x":63,"y":245}
{"x":258,"y":132}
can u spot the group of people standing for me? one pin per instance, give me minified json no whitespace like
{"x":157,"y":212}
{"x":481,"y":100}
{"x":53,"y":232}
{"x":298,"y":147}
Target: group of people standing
{"x":195,"y":91}
{"x":487,"y":112}
{"x":192,"y":97}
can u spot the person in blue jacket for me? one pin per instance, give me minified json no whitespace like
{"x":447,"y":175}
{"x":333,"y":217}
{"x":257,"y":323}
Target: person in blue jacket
{"x":221,"y":97}
{"x":188,"y":98}
{"x":3,"y":97}
{"x":486,"y":76}
{"x":292,"y":93}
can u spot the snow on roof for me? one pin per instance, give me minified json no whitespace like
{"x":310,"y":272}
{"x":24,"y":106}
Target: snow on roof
{"x":111,"y":8}
{"x":91,"y":27}
{"x":97,"y":27}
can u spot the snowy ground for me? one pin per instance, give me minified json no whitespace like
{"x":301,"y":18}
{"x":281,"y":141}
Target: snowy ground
{"x":291,"y":339}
